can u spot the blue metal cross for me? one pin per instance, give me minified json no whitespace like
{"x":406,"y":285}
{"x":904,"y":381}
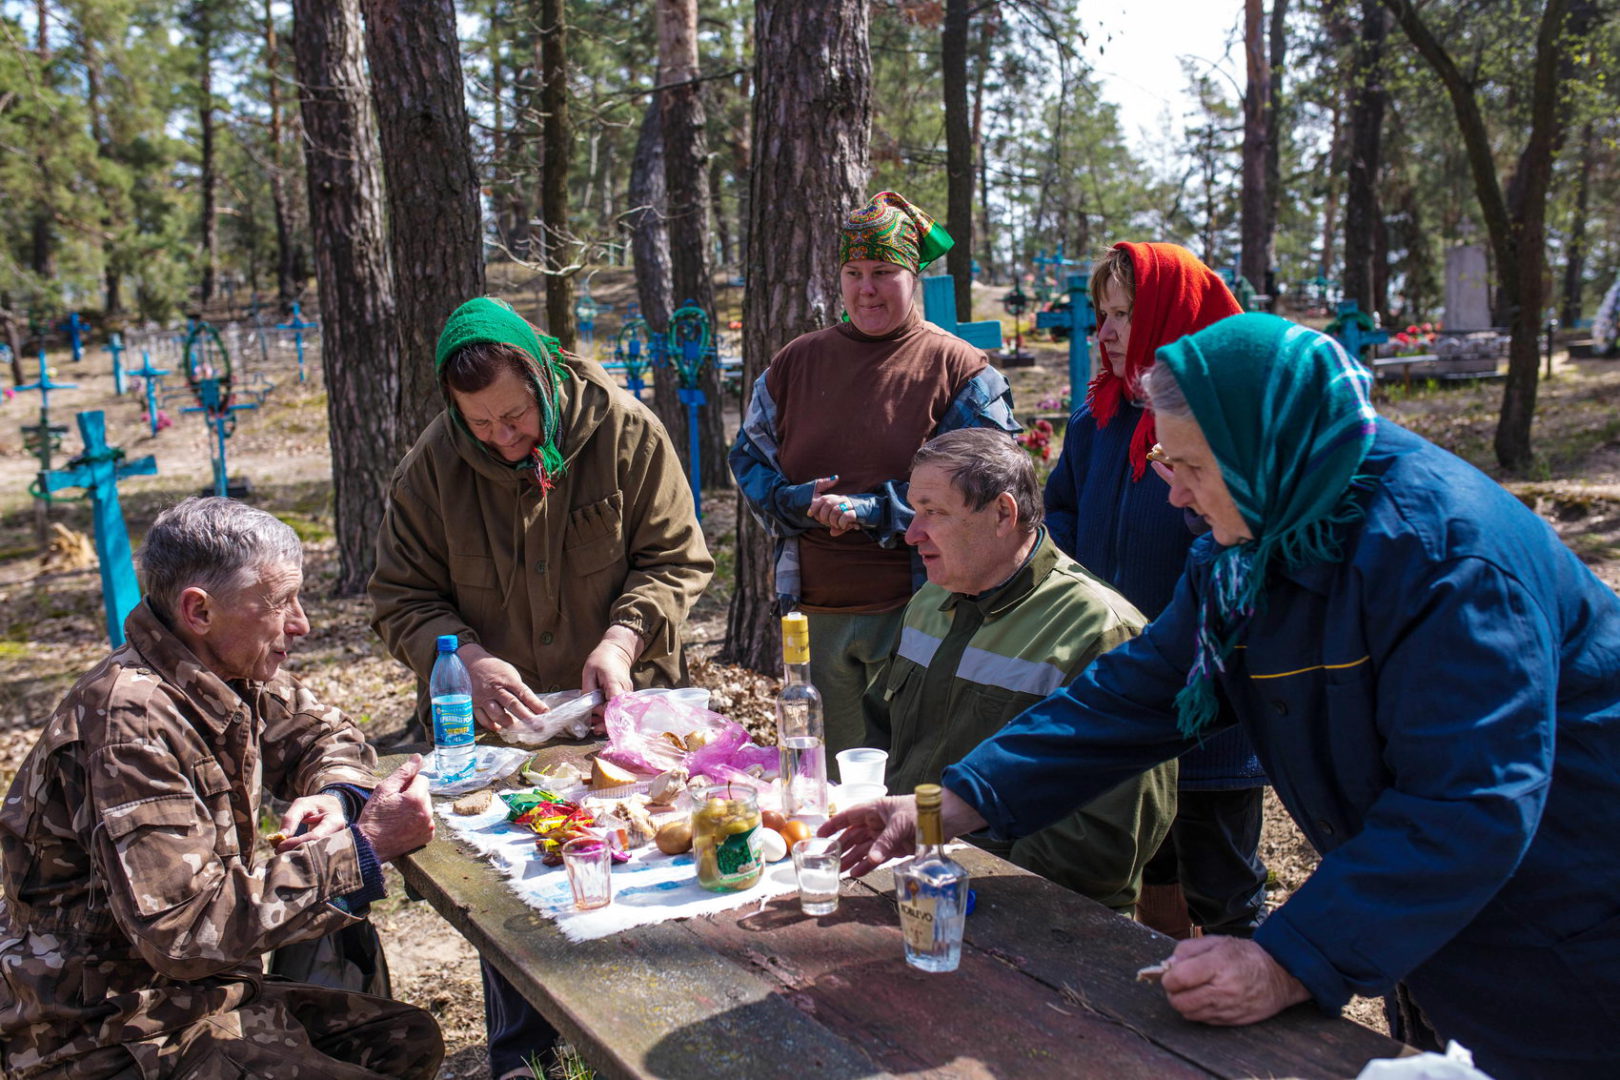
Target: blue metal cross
{"x":221,"y":413}
{"x":115,"y":345}
{"x":1355,"y":329}
{"x":939,"y":308}
{"x":1081,"y":322}
{"x":43,"y":437}
{"x":631,"y":352}
{"x":690,"y":345}
{"x":297,"y":325}
{"x":98,"y":470}
{"x":152,"y":376}
{"x":75,"y":328}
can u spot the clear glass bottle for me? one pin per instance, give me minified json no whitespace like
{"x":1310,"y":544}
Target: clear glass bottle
{"x":932,"y":891}
{"x":800,"y":731}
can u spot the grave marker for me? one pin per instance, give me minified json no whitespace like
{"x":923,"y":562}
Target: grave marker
{"x":98,"y":470}
{"x":939,"y":308}
{"x":1080,"y":320}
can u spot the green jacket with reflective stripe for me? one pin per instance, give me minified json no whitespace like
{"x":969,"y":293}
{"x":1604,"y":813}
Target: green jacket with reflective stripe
{"x":965,"y":665}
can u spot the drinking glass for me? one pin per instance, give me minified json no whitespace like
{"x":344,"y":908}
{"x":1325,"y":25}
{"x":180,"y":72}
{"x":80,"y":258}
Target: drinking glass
{"x":816,"y":862}
{"x":589,"y":862}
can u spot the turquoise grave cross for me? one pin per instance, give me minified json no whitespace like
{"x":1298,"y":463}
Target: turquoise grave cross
{"x":1080,"y":320}
{"x":939,"y":308}
{"x":297,"y":325}
{"x":98,"y":471}
{"x":44,"y":437}
{"x":115,"y":345}
{"x":151,"y":375}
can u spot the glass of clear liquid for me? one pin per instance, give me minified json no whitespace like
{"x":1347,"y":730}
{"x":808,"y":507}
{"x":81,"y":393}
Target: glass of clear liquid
{"x":589,"y":863}
{"x":816,"y":862}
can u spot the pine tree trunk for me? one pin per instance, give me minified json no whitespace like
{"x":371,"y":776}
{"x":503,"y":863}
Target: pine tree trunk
{"x":686,"y":172}
{"x":209,"y":179}
{"x":557,"y":139}
{"x":1256,"y":250}
{"x":812,"y":125}
{"x":435,"y":225}
{"x":1575,"y":264}
{"x":953,"y":49}
{"x":649,"y":233}
{"x":1366,"y":138}
{"x":1279,"y":56}
{"x":359,"y":346}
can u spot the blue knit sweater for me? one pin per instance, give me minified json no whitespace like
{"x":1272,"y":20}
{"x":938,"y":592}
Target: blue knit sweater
{"x":1128,"y":534}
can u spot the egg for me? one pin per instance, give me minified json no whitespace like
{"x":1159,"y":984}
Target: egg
{"x":772,"y":819}
{"x":772,"y":846}
{"x":793,"y":831}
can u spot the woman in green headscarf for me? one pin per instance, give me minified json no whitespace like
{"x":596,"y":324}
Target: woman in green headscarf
{"x":827,"y":441}
{"x":1431,"y":678}
{"x":542,"y":519}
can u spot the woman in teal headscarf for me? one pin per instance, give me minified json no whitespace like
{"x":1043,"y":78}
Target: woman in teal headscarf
{"x":1431,"y":679}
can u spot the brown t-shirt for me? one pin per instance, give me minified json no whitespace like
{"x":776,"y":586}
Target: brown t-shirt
{"x":858,"y":408}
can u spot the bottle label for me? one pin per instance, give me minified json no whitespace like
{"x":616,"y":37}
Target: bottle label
{"x":737,"y":857}
{"x":917,"y":919}
{"x":453,"y":721}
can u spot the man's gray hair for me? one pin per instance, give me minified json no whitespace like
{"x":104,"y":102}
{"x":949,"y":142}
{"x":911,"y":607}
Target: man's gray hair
{"x":1164,"y":393}
{"x":983,"y":463}
{"x":215,"y":544}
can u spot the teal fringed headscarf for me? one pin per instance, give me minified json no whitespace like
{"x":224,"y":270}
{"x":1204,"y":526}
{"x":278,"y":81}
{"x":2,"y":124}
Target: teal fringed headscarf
{"x":488,"y":320}
{"x":1289,"y":418}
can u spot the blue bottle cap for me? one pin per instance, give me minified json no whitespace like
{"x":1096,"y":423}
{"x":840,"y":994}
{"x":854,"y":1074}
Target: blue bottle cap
{"x":973,"y":898}
{"x":448,"y":642}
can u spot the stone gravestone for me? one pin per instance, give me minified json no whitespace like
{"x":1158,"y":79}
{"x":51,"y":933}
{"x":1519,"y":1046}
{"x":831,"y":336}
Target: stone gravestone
{"x":1468,"y":288}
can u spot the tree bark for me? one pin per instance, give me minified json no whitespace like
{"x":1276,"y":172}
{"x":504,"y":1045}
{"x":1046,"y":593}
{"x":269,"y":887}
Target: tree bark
{"x":1256,"y":237}
{"x":208,"y":180}
{"x":1368,"y":99}
{"x":359,"y":346}
{"x":953,"y":50}
{"x":1279,"y":57}
{"x":649,"y":234}
{"x":812,"y":126}
{"x":1575,"y":264}
{"x":557,"y":138}
{"x":1516,"y":221}
{"x":435,"y":224}
{"x":686,"y":171}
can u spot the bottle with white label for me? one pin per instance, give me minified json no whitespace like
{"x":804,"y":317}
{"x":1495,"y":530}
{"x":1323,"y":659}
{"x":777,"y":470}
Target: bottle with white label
{"x":800,"y":730}
{"x":933,"y":891}
{"x":450,"y":688}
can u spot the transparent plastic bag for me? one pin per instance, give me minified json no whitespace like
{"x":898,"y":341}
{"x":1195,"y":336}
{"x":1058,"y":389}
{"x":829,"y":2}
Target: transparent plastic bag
{"x":568,"y":713}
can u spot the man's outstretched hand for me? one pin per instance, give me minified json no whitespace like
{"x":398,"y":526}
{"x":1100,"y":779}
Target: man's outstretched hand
{"x":398,"y":817}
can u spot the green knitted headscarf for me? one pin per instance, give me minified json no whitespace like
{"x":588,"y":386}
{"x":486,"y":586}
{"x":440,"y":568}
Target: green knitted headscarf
{"x":486,"y":319}
{"x":1289,"y":418}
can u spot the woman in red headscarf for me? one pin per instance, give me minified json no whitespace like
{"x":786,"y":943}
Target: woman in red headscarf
{"x":1112,"y":513}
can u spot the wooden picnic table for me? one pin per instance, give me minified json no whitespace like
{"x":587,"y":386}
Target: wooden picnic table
{"x":1047,"y":987}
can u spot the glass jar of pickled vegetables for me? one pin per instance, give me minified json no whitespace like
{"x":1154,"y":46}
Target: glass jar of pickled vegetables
{"x":725,"y":838}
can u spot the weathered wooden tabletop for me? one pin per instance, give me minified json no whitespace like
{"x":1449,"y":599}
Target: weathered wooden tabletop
{"x":1046,"y":988}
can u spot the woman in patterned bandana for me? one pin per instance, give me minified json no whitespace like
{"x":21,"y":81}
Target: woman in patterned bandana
{"x":827,"y":441}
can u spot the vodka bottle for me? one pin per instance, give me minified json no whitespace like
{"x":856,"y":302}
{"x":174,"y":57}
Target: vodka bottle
{"x":932,"y":891}
{"x":800,"y":733}
{"x":450,"y":688}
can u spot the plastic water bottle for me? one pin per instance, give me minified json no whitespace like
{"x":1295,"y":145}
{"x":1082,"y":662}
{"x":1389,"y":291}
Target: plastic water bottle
{"x":451,"y":691}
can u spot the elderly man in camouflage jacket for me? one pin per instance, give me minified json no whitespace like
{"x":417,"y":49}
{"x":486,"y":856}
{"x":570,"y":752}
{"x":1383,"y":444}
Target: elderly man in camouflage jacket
{"x":136,"y":906}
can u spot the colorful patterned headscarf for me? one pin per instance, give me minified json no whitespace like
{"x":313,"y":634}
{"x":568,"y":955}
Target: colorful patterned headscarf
{"x":1175,"y":295}
{"x":486,"y":319}
{"x":891,"y":229}
{"x":1289,"y":417}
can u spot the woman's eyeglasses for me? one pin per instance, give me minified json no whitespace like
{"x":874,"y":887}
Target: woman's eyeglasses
{"x":1161,"y":462}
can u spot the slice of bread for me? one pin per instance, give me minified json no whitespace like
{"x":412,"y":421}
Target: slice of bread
{"x":605,"y":774}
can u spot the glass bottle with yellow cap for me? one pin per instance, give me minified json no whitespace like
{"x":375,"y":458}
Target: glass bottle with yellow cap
{"x":800,"y":730}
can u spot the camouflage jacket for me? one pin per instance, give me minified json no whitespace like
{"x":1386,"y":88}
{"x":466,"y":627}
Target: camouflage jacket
{"x":134,"y":904}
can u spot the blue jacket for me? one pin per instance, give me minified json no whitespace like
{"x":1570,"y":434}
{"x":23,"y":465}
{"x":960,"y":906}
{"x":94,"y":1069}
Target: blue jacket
{"x":1137,"y":542}
{"x":1440,"y":713}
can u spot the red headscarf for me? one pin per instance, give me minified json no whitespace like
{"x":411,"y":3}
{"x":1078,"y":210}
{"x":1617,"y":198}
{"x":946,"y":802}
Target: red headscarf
{"x":1175,"y":296}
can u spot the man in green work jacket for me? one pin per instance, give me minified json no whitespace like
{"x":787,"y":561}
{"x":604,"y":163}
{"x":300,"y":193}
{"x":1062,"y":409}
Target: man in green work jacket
{"x":1005,"y":619}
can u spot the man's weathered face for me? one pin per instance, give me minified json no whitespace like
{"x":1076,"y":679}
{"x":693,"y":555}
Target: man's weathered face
{"x":252,"y":627}
{"x":964,"y":550}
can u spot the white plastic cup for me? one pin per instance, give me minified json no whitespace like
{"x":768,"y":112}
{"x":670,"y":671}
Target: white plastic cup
{"x":859,"y":794}
{"x":862,"y":765}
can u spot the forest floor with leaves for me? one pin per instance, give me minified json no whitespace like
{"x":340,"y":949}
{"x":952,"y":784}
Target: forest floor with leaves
{"x":51,"y":628}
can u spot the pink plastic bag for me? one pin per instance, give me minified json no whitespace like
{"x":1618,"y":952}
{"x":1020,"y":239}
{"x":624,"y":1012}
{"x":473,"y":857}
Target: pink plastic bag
{"x":637,"y":723}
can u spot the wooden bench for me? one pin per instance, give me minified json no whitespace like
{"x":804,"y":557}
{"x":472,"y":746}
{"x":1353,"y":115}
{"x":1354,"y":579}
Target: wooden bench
{"x":1046,"y":988}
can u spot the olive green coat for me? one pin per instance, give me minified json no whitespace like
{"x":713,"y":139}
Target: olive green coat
{"x":468,"y":546}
